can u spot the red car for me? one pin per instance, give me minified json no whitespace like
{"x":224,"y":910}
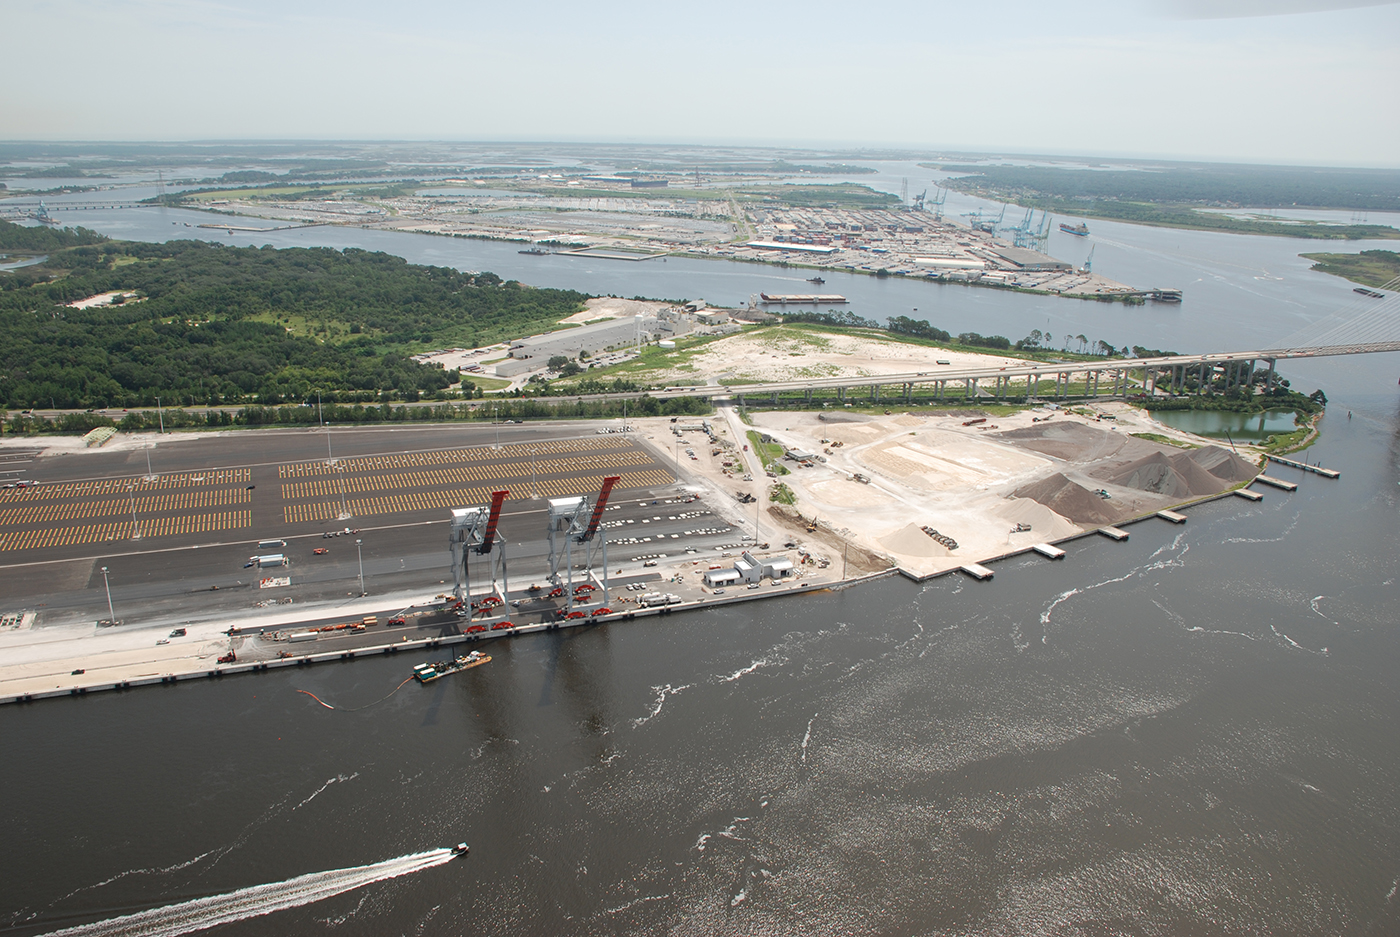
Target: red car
{"x":396,"y":621}
{"x":320,"y":551}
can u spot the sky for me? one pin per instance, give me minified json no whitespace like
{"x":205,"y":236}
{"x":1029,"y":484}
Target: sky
{"x":1278,"y":81}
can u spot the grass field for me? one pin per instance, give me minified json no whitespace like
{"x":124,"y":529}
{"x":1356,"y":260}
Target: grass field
{"x":1371,"y":268}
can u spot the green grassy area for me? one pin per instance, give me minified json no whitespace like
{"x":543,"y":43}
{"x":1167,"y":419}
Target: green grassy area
{"x":1165,"y":440}
{"x":769,"y":453}
{"x":1173,"y":195}
{"x":781,"y":494}
{"x":1371,"y":268}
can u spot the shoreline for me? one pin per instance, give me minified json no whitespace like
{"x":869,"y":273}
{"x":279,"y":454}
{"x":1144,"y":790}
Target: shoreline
{"x":173,"y":675}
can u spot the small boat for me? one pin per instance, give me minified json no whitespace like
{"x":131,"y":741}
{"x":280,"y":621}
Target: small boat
{"x":817,"y":280}
{"x":461,"y":849}
{"x":1080,"y":230}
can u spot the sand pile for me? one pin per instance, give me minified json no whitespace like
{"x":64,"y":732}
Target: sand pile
{"x":1068,"y":499}
{"x":1223,"y":463}
{"x":912,"y":541}
{"x":1175,"y":476}
{"x":1066,"y":440}
{"x":1045,"y":523}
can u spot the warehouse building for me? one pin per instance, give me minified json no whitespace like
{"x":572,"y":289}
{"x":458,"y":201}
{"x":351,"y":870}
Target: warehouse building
{"x":604,"y":336}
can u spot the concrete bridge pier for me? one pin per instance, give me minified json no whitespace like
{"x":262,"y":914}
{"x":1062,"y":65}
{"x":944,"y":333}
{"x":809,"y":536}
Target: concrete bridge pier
{"x":841,"y":394}
{"x":809,"y":397}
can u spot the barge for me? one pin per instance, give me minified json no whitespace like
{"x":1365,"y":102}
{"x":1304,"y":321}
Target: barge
{"x":427,"y":673}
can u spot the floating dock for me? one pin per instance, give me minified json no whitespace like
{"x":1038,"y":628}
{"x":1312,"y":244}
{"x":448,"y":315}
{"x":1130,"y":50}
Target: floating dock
{"x":976,"y":571}
{"x":1248,"y":495}
{"x":1049,"y":550}
{"x":1315,"y":469}
{"x":1113,"y":533}
{"x":1277,"y":482}
{"x":1172,"y":516}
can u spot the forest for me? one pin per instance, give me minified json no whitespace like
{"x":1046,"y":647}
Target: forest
{"x":209,"y":324}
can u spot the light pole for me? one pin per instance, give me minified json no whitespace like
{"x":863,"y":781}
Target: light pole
{"x":319,"y":414}
{"x":497,"y":424}
{"x":135,"y":530}
{"x":150,"y":472}
{"x":360,"y":554}
{"x":111,"y":615}
{"x":344,"y":509}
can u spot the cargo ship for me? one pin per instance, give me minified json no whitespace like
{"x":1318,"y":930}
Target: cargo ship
{"x":427,"y":673}
{"x":1080,"y":230}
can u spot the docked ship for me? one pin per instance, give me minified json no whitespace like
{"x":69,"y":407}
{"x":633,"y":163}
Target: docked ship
{"x":427,"y":673}
{"x":1080,"y":230}
{"x":534,"y":252}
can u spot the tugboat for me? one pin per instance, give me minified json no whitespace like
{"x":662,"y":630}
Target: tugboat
{"x":461,"y":849}
{"x":817,"y":280}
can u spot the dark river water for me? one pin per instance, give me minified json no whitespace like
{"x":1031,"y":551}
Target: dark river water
{"x":1193,"y":732}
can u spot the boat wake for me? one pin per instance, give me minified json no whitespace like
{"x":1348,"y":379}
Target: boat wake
{"x":202,"y":913}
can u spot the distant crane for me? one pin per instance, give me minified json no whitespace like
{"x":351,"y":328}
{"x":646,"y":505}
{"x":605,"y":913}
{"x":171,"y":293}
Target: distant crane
{"x":937,"y":203}
{"x":919,"y":200}
{"x":1089,"y":261}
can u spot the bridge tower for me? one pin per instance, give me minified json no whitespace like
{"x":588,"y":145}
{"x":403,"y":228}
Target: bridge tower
{"x":473,"y":532}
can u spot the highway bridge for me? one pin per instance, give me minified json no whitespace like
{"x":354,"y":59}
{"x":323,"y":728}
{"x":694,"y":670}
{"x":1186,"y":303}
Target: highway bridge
{"x":1108,"y":376}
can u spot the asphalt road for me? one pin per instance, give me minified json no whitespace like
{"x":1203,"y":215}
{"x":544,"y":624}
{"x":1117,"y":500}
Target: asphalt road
{"x":198,"y":574}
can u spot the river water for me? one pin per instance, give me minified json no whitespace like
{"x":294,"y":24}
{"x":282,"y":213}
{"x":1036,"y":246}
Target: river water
{"x":1190,"y":732}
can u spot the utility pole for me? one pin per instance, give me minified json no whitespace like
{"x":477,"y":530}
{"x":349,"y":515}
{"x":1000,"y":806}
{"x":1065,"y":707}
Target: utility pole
{"x":111,"y":615}
{"x":361,"y":556}
{"x":135,"y":530}
{"x":319,"y":414}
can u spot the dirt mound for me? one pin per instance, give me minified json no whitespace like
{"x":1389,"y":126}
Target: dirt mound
{"x":1223,"y":463}
{"x":1045,"y":523}
{"x":1176,"y":476}
{"x":1069,"y":499}
{"x":1065,"y":440}
{"x":912,"y":541}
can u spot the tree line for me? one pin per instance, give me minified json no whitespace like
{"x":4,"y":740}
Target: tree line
{"x":214,"y":325}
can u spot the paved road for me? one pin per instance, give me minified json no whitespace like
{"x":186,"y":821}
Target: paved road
{"x":188,"y":575}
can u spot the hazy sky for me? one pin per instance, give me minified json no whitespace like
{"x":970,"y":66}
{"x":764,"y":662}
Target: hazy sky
{"x":1228,"y":79}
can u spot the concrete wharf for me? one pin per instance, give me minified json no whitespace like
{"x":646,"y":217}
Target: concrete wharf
{"x":1277,"y":482}
{"x":1315,"y":469}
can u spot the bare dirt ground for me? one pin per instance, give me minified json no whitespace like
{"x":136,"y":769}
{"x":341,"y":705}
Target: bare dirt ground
{"x":976,"y":484}
{"x":788,"y":354}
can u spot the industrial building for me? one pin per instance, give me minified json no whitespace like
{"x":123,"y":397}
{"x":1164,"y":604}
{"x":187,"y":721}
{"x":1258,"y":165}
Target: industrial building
{"x":604,"y":336}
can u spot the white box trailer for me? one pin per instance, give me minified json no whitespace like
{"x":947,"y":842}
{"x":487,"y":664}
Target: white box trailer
{"x":270,"y":559}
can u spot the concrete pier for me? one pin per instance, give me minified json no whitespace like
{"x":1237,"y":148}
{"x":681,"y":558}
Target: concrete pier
{"x":1172,"y":516}
{"x":1049,"y":551}
{"x":977,"y":571}
{"x":1277,"y":482}
{"x":1248,"y":495}
{"x":1315,"y":469}
{"x":1113,"y":533}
